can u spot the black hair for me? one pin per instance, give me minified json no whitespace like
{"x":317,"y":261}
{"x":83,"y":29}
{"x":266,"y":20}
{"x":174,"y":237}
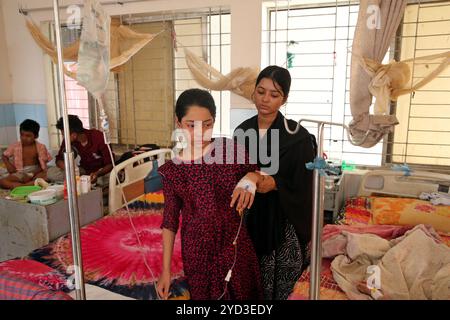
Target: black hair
{"x":194,"y":97}
{"x":29,"y":125}
{"x":279,"y":76}
{"x":75,"y":124}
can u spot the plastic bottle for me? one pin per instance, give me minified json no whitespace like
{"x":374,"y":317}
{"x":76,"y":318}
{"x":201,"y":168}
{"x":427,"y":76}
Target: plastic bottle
{"x":78,"y":180}
{"x":77,"y":183}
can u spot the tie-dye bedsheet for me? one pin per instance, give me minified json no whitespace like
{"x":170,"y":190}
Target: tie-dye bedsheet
{"x":112,"y":256}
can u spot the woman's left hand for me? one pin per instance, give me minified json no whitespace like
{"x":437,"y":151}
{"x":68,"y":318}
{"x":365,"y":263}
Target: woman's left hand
{"x":267,"y":184}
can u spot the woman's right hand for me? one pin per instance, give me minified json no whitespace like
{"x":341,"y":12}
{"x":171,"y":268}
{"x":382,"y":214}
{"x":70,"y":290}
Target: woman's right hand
{"x":163,"y":285}
{"x":242,"y":198}
{"x":244,"y":193}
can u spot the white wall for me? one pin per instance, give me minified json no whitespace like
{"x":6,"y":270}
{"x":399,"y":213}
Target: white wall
{"x":27,"y":62}
{"x":5,"y":80}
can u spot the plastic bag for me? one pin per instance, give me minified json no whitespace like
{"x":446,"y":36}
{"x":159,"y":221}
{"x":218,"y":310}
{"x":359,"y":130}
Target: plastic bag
{"x":153,"y":181}
{"x":93,"y":57}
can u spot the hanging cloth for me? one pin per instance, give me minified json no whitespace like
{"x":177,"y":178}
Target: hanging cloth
{"x":385,"y":79}
{"x":389,"y":81}
{"x":425,"y":70}
{"x":371,"y":41}
{"x":124,"y":44}
{"x":70,"y":53}
{"x":241,"y":81}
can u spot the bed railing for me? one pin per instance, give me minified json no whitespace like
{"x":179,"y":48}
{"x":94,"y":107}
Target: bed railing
{"x":128,"y":177}
{"x":396,"y":183}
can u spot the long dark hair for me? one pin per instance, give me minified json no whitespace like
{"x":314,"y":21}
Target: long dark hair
{"x":280,"y":76}
{"x":194,"y":97}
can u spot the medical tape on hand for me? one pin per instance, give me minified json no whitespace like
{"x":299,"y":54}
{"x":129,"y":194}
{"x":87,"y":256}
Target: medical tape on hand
{"x":247,"y":185}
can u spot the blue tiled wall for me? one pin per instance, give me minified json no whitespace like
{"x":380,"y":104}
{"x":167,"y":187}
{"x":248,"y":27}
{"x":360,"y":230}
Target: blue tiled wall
{"x":37,"y":112}
{"x":7,"y":116}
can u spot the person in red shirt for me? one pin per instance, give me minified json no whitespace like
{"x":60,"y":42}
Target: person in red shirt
{"x":89,"y":144}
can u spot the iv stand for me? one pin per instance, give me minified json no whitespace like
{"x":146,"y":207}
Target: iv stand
{"x":69,"y":167}
{"x":317,"y":206}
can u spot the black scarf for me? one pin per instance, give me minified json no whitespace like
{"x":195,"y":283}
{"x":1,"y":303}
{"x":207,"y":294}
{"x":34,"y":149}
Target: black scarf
{"x":292,"y":202}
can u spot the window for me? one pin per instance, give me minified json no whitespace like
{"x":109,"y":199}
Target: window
{"x":208,"y":36}
{"x":313,"y":40}
{"x":141,"y":98}
{"x":423,"y":135}
{"x":79,"y":101}
{"x":156,"y":76}
{"x":77,"y":97}
{"x":146,"y":88}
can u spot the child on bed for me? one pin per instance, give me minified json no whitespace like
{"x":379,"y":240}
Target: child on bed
{"x":25,"y":160}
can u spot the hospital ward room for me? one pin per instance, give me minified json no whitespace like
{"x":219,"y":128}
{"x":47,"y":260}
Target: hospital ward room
{"x":257,"y":150}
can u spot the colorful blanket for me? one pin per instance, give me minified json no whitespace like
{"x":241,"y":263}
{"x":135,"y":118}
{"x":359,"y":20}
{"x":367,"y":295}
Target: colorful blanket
{"x":154,"y":200}
{"x":35,"y":272}
{"x":112,"y":258}
{"x":359,"y":211}
{"x":414,"y":266}
{"x":13,"y":287}
{"x":356,"y":214}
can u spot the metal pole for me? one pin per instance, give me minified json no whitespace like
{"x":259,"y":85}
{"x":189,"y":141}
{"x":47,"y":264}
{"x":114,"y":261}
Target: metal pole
{"x":317,"y":225}
{"x":70,"y":168}
{"x":317,"y":222}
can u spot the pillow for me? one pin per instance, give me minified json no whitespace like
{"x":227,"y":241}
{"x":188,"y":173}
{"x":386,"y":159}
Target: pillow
{"x":405,"y":211}
{"x":355,"y":212}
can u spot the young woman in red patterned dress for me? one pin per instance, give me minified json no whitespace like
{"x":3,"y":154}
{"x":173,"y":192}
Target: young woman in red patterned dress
{"x":198,"y":188}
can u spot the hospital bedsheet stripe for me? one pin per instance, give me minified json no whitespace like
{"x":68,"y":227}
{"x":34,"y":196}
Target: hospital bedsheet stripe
{"x":16,"y":288}
{"x":112,"y":258}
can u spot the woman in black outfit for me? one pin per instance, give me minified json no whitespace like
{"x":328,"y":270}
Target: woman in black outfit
{"x":279,"y":221}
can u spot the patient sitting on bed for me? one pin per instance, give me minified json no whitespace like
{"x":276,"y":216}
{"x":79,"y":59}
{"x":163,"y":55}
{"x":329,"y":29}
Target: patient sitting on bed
{"x":26,"y":160}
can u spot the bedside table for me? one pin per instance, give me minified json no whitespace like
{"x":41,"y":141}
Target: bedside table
{"x":331,"y":205}
{"x":25,"y":227}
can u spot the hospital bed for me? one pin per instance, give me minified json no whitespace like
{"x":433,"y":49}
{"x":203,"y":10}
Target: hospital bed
{"x":386,"y":201}
{"x":112,"y":258}
{"x":126,"y":181}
